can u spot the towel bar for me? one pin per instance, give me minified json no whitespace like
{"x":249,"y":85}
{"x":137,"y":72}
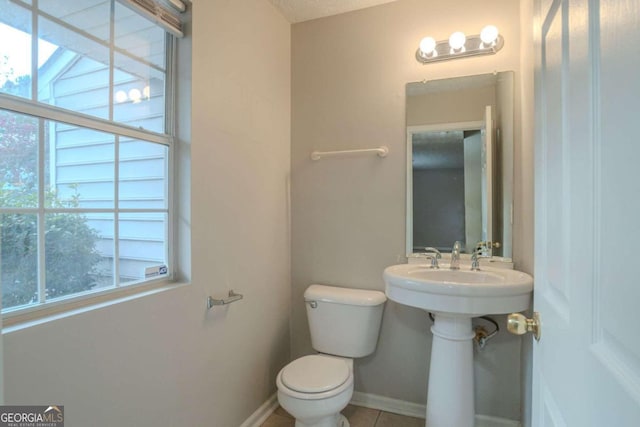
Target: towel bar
{"x":380,"y":151}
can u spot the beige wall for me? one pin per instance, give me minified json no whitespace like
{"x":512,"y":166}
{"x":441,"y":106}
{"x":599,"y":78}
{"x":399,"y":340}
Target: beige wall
{"x":163,"y":359}
{"x":348,"y":215}
{"x":465,"y":105}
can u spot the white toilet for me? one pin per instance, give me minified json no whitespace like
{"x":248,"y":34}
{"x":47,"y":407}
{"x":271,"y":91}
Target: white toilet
{"x":344,"y":324}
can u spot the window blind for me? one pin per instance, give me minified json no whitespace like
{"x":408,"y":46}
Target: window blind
{"x":165,"y":13}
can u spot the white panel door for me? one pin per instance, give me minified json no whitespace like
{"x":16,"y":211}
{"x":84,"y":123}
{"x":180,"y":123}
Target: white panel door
{"x":587,"y":277}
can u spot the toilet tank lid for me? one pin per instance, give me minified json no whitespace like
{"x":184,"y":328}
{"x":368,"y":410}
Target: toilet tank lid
{"x":347,"y":296}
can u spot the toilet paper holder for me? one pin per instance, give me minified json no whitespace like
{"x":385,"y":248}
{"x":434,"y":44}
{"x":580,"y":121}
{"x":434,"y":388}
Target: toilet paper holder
{"x":233,"y":297}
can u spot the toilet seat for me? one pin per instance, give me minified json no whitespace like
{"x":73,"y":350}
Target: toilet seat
{"x":334,"y":383}
{"x":315,"y":374}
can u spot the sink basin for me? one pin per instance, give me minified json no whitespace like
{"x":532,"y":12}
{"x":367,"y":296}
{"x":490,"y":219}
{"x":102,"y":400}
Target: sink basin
{"x":455,"y":297}
{"x":459,"y":292}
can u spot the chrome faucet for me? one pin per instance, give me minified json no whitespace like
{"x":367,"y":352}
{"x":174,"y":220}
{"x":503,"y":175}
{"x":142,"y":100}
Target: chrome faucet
{"x":475,"y":263}
{"x":481,"y":250}
{"x":455,"y":256}
{"x":434,"y":255}
{"x":430,"y":253}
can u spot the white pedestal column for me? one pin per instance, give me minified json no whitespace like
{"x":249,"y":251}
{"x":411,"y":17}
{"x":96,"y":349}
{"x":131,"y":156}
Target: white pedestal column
{"x":450,"y":400}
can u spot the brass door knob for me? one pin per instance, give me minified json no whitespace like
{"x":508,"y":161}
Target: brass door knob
{"x":518,"y":324}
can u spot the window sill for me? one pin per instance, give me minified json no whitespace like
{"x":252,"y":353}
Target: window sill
{"x":36,"y":315}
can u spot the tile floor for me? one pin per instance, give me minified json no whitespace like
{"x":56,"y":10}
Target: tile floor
{"x":357,"y":416}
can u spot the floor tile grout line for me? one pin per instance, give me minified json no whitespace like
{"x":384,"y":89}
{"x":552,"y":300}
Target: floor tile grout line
{"x":377,"y":418}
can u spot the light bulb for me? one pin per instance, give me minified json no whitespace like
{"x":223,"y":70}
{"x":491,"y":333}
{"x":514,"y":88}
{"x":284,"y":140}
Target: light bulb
{"x":135,"y":95}
{"x":489,"y":35}
{"x":428,"y":45}
{"x":121,"y":96}
{"x":146,"y":92}
{"x":457,"y":40}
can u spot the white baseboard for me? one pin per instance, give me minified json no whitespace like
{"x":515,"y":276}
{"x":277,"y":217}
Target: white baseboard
{"x":487,"y":421}
{"x":388,"y":404}
{"x":262,"y":413}
{"x":417,"y":410}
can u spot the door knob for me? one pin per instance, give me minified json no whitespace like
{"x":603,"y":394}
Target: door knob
{"x":518,"y":324}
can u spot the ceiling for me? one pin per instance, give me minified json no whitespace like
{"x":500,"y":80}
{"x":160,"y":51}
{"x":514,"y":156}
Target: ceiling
{"x":305,"y":10}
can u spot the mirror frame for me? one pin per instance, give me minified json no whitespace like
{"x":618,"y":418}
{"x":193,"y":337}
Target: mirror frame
{"x":504,"y":135}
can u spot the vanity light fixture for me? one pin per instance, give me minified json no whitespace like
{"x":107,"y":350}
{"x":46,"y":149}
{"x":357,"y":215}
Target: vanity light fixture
{"x":488,"y":42}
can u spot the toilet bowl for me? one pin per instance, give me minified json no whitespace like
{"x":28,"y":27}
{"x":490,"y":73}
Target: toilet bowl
{"x":344,"y":324}
{"x":314,"y":389}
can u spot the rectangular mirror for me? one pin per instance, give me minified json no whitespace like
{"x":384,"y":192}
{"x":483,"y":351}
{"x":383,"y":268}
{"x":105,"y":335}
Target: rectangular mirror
{"x":460,"y":163}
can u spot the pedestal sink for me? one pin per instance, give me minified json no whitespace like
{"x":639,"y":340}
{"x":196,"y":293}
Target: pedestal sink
{"x":455,"y":297}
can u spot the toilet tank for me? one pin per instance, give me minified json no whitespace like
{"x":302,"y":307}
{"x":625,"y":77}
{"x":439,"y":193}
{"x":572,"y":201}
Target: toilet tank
{"x":343,"y":321}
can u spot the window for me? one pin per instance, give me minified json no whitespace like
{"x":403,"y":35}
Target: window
{"x":86,"y":148}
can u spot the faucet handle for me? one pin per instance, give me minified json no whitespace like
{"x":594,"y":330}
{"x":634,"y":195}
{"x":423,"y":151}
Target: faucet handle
{"x":429,"y":249}
{"x":434,"y":260}
{"x":433,"y":255}
{"x":482,"y":249}
{"x":475,"y":263}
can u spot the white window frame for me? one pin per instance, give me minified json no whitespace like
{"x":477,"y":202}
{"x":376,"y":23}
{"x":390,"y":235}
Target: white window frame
{"x":42,"y":111}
